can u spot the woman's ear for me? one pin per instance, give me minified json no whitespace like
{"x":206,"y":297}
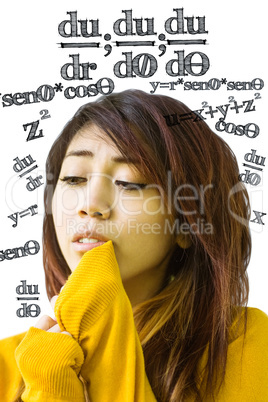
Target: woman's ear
{"x":184,"y":240}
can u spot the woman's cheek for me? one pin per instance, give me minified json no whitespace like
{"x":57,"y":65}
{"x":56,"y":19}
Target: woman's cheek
{"x":130,"y":205}
{"x":154,"y":205}
{"x":65,"y":203}
{"x":145,"y":203}
{"x":69,"y":199}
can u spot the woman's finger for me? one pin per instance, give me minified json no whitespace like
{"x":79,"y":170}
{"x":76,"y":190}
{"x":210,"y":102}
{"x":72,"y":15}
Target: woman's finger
{"x":48,"y":324}
{"x":55,"y":328}
{"x":45,"y":323}
{"x":67,"y":333}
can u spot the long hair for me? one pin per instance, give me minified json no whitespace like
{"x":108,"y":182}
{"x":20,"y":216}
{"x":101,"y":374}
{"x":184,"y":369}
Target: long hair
{"x":206,"y":284}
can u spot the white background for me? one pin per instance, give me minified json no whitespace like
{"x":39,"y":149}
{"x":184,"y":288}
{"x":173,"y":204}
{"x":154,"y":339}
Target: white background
{"x":31,"y":56}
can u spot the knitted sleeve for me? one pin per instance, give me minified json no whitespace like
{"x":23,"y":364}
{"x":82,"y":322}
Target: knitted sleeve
{"x":95,"y":309}
{"x":10,"y":377}
{"x":49,"y":363}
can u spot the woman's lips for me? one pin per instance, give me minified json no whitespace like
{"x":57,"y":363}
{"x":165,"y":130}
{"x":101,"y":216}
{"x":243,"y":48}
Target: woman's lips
{"x":87,"y":240}
{"x":83,"y":247}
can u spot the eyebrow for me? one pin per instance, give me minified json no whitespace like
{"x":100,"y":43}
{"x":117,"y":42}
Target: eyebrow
{"x":90,"y":154}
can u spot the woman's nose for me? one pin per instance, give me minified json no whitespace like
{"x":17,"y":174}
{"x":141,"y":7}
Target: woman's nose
{"x":96,"y":201}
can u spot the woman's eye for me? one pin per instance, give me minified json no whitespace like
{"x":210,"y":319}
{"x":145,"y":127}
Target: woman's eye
{"x":73,"y":180}
{"x":126,"y":185}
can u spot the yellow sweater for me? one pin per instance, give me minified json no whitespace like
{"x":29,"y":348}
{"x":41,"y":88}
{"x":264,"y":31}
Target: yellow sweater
{"x":105,"y":348}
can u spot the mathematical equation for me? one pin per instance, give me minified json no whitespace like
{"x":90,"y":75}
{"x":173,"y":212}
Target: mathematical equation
{"x":25,"y":167}
{"x":25,"y":293}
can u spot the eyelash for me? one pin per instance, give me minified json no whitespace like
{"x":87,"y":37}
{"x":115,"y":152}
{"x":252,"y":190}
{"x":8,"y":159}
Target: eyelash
{"x":125,"y":185}
{"x":73,"y":180}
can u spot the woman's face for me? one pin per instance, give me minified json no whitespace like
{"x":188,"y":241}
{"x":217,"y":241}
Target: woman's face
{"x":101,"y":197}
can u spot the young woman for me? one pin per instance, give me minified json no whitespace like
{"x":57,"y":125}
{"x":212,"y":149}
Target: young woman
{"x":146,"y":244}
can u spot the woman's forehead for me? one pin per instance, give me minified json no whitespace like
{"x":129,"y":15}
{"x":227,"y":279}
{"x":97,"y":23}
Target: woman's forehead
{"x":93,"y":138}
{"x":93,"y":144}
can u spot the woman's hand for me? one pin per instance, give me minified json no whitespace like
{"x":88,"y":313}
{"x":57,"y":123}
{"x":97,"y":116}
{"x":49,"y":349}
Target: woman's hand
{"x":50,"y":324}
{"x":50,"y":362}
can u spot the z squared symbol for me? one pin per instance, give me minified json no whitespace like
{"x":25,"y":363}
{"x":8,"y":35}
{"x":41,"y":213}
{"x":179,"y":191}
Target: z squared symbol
{"x":33,"y":128}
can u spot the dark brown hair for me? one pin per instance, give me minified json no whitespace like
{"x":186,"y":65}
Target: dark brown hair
{"x":206,"y":284}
